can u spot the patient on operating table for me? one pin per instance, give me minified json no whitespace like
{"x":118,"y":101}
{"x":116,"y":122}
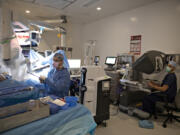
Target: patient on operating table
{"x":58,"y":80}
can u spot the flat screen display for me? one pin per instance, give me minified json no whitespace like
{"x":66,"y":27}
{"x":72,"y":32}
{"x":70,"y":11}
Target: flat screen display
{"x":74,"y":63}
{"x":110,"y":60}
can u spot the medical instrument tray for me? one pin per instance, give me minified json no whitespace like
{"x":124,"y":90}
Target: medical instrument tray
{"x":23,"y":113}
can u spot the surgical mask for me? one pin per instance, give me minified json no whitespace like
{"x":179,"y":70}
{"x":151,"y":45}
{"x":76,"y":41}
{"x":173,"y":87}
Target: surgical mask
{"x":168,"y":69}
{"x":56,"y":64}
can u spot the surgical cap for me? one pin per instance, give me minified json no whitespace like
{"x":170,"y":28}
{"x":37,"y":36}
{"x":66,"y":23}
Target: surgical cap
{"x":172,"y":63}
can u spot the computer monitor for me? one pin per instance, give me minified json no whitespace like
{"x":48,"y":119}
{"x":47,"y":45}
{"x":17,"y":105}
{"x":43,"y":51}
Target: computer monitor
{"x":74,"y":63}
{"x":26,"y":53}
{"x":96,"y":59}
{"x":110,"y":61}
{"x":48,"y":53}
{"x":35,"y":38}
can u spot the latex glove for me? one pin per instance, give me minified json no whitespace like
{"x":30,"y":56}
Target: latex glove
{"x":2,"y":77}
{"x":42,"y":79}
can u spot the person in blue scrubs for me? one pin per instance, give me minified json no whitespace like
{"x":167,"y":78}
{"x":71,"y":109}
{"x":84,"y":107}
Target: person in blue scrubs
{"x":168,"y":87}
{"x":58,"y":81}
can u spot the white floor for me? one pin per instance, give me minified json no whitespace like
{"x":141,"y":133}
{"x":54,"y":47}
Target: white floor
{"x":122,"y":124}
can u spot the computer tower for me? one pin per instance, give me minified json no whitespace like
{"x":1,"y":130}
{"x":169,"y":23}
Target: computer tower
{"x":103,"y":101}
{"x":96,"y":98}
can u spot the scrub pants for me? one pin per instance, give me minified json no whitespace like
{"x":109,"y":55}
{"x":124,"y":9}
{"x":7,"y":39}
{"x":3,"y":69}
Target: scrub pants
{"x":149,"y":102}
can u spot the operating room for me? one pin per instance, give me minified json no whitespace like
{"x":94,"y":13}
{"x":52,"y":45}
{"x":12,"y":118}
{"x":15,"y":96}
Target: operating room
{"x":89,"y":67}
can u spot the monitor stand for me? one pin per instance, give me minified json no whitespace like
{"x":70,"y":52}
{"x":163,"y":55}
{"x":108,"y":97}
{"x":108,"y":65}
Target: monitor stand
{"x":109,"y":68}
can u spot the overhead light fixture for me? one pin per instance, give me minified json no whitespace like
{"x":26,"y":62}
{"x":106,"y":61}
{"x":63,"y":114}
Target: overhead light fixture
{"x":133,"y":19}
{"x":27,"y":11}
{"x":98,"y":8}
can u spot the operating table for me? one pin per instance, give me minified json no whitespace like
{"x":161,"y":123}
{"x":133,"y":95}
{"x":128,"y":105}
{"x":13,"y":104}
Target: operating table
{"x":75,"y":120}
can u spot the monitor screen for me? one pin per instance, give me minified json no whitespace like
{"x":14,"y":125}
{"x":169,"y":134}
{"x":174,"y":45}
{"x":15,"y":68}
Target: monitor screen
{"x":74,"y":63}
{"x":48,"y":53}
{"x":110,"y":61}
{"x":26,"y":53}
{"x":96,"y":59}
{"x":34,"y":37}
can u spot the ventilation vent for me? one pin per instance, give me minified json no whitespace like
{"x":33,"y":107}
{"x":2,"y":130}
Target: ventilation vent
{"x":60,"y":4}
{"x":90,"y":3}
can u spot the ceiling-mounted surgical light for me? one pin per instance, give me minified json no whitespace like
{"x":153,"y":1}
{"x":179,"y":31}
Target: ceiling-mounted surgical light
{"x":134,"y":19}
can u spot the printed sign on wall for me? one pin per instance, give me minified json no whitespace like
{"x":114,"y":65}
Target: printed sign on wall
{"x":135,"y":45}
{"x":23,"y":38}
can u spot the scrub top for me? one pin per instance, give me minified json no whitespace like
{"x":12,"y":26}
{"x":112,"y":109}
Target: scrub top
{"x":58,"y":82}
{"x":170,"y":80}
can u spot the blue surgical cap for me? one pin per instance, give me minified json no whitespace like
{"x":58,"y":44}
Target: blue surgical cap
{"x":49,"y":59}
{"x":172,"y":63}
